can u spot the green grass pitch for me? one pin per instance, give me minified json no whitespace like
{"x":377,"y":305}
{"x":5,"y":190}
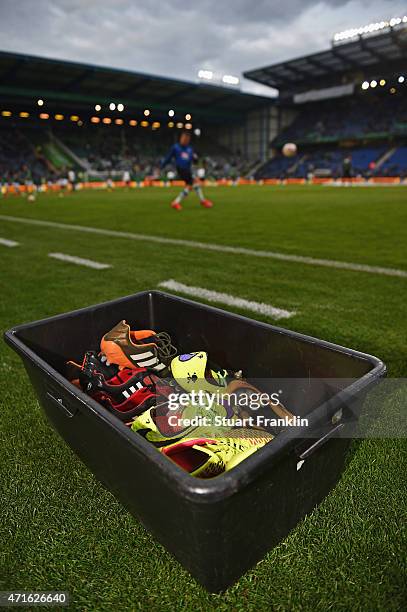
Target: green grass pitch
{"x":61,"y":530}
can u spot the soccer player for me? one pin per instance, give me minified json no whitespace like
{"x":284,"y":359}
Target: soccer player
{"x":72,"y":179}
{"x":126,"y":178}
{"x":183,"y":155}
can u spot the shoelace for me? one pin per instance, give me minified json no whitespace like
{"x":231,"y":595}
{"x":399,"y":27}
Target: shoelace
{"x":229,"y":447}
{"x":165,"y":347}
{"x":223,"y":451}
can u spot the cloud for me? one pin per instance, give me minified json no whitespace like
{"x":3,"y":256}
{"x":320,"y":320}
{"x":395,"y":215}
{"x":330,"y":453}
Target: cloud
{"x":175,"y":38}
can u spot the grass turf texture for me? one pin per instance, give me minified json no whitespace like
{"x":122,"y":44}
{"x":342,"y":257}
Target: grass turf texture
{"x":61,"y":530}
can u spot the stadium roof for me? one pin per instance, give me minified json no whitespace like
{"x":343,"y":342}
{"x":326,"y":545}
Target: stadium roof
{"x":362,"y":55}
{"x":28,"y":76}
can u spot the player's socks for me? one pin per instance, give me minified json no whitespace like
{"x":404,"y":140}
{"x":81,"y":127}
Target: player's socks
{"x":199,"y":192}
{"x":184,"y":193}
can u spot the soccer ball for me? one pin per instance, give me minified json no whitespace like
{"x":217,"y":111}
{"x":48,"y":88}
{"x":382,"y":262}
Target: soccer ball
{"x":289,"y":149}
{"x":31,"y":197}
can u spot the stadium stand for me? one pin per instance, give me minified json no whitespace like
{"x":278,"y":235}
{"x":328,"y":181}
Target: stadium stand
{"x":349,"y":101}
{"x":396,"y":164}
{"x":102,"y":122}
{"x":343,"y":107}
{"x":40,"y":154}
{"x":357,"y":118}
{"x":20,"y":161}
{"x":329,"y":162}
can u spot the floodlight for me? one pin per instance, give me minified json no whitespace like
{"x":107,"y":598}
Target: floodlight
{"x":229,"y":79}
{"x":207,"y":75}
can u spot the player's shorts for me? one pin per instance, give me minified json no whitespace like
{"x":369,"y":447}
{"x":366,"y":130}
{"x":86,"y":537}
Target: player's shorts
{"x":185,"y":175}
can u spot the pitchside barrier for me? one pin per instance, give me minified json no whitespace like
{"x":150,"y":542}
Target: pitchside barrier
{"x":17,"y":190}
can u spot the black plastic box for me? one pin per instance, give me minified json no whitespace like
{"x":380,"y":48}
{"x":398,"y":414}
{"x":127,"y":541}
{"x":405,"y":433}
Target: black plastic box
{"x":221,"y":527}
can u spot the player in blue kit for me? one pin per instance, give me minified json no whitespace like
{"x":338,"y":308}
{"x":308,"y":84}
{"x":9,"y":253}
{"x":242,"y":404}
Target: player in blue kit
{"x":183,"y":155}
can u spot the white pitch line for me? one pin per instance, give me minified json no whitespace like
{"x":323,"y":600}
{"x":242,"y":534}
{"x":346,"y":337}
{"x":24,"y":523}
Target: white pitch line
{"x":225,"y":298}
{"x":79,"y":261}
{"x":218,"y":248}
{"x":8,"y":243}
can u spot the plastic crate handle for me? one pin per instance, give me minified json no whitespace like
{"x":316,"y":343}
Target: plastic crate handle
{"x":59,"y":402}
{"x":321,"y":441}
